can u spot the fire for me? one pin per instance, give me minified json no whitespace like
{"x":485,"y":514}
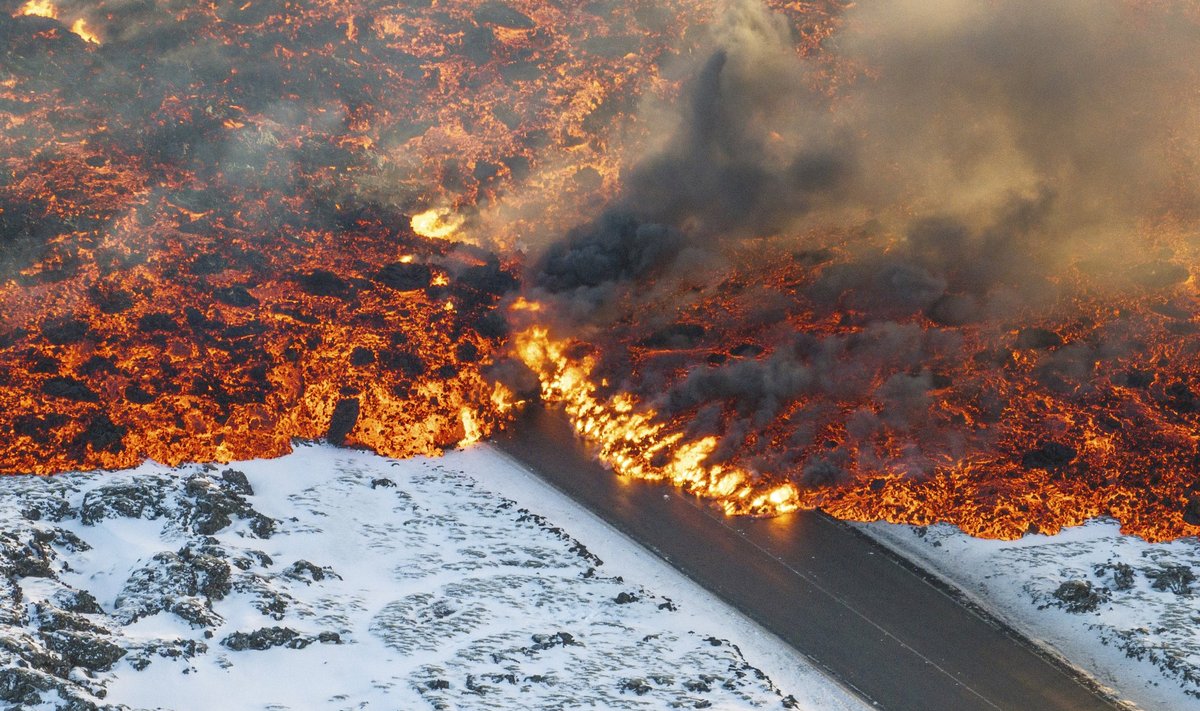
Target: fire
{"x":210,"y":249}
{"x":80,"y":28}
{"x":437,"y":223}
{"x":39,"y":8}
{"x":999,"y":452}
{"x":631,"y":441}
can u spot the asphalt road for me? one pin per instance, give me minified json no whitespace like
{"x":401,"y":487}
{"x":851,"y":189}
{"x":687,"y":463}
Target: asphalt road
{"x":872,"y":621}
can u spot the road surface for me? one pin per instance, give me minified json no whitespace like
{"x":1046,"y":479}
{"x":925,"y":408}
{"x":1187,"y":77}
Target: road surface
{"x":872,"y":621}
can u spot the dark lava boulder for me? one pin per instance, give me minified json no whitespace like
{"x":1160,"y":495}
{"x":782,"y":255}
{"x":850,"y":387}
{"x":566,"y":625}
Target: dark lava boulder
{"x":489,"y":278}
{"x":69,"y":389}
{"x":345,"y":416}
{"x":1038,"y":339}
{"x":308,"y":573}
{"x":405,"y":276}
{"x":746,"y":350}
{"x":235,"y":295}
{"x":1079,"y":596}
{"x":101,"y":434}
{"x":82,"y":649}
{"x":123,"y":500}
{"x":321,"y":282}
{"x":1048,"y":455}
{"x":1191,"y":511}
{"x":151,"y":322}
{"x":1174,"y":578}
{"x":64,"y":332}
{"x":266,"y":638}
{"x":501,"y":15}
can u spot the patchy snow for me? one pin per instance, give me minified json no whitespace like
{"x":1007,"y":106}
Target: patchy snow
{"x":1124,"y":610}
{"x":338,"y":579}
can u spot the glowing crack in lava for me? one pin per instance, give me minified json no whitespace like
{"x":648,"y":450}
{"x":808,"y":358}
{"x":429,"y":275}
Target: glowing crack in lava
{"x":880,"y":260}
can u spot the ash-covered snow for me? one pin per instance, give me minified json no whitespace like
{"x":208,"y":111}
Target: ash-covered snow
{"x":338,"y":579}
{"x":1125,"y":611}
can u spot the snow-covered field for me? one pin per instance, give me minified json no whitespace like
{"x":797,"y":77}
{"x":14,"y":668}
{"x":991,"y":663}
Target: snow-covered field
{"x":342,"y":580}
{"x":1126,"y":611}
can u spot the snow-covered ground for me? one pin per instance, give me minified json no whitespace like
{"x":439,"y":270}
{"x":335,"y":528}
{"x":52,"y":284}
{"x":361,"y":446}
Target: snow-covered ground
{"x":335,"y":579}
{"x":1126,"y":611}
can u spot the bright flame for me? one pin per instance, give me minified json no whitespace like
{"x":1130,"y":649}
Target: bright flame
{"x":471,"y":431}
{"x":437,"y":223}
{"x":635,"y":444}
{"x":80,"y":28}
{"x":40,"y":8}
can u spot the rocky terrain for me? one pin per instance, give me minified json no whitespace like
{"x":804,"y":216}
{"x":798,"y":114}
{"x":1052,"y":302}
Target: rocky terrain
{"x":339,"y":579}
{"x":1125,"y":610}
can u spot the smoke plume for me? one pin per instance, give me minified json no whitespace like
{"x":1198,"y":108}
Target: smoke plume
{"x":937,"y":177}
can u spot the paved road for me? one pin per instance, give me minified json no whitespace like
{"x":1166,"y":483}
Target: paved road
{"x":873,"y":622}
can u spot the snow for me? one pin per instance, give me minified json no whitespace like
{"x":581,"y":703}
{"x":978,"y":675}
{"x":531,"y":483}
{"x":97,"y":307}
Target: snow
{"x":1088,"y":594}
{"x":461,"y":582}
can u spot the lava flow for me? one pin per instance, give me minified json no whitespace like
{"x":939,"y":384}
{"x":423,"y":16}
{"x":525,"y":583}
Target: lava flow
{"x":227,"y":226}
{"x":886,"y":261}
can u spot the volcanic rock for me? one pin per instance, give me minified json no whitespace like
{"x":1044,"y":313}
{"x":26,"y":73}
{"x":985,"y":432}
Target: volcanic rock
{"x":1181,"y":398}
{"x":209,"y":263}
{"x":1048,"y":455}
{"x":308,"y":573}
{"x":111,"y":301}
{"x":675,"y":336}
{"x":345,"y":416}
{"x":489,"y":278}
{"x":69,"y":389}
{"x":214,"y":506}
{"x":64,"y":332}
{"x":156,"y":322}
{"x":501,"y":15}
{"x":1122,"y":575}
{"x":266,"y":638}
{"x":637,"y":686}
{"x":235,"y":295}
{"x":101,"y":434}
{"x":141,"y":499}
{"x":405,"y":276}
{"x":362,"y":356}
{"x":406,"y":362}
{"x":1175,"y":578}
{"x":1191,"y":511}
{"x":1038,"y":339}
{"x":321,"y":282}
{"x":491,"y":325}
{"x":84,"y":649}
{"x":138,"y":395}
{"x":746,"y":350}
{"x":1079,"y":596}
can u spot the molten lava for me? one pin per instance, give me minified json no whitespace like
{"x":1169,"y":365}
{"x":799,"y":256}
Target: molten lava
{"x":229,"y":225}
{"x":1000,"y":432}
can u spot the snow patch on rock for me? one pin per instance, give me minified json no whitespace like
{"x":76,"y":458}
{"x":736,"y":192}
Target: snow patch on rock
{"x":338,"y":579}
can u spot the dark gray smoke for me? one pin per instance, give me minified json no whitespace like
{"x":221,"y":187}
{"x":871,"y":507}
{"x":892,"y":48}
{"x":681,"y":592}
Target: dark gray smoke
{"x":721,"y":175}
{"x":990,"y":145}
{"x":981,"y":165}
